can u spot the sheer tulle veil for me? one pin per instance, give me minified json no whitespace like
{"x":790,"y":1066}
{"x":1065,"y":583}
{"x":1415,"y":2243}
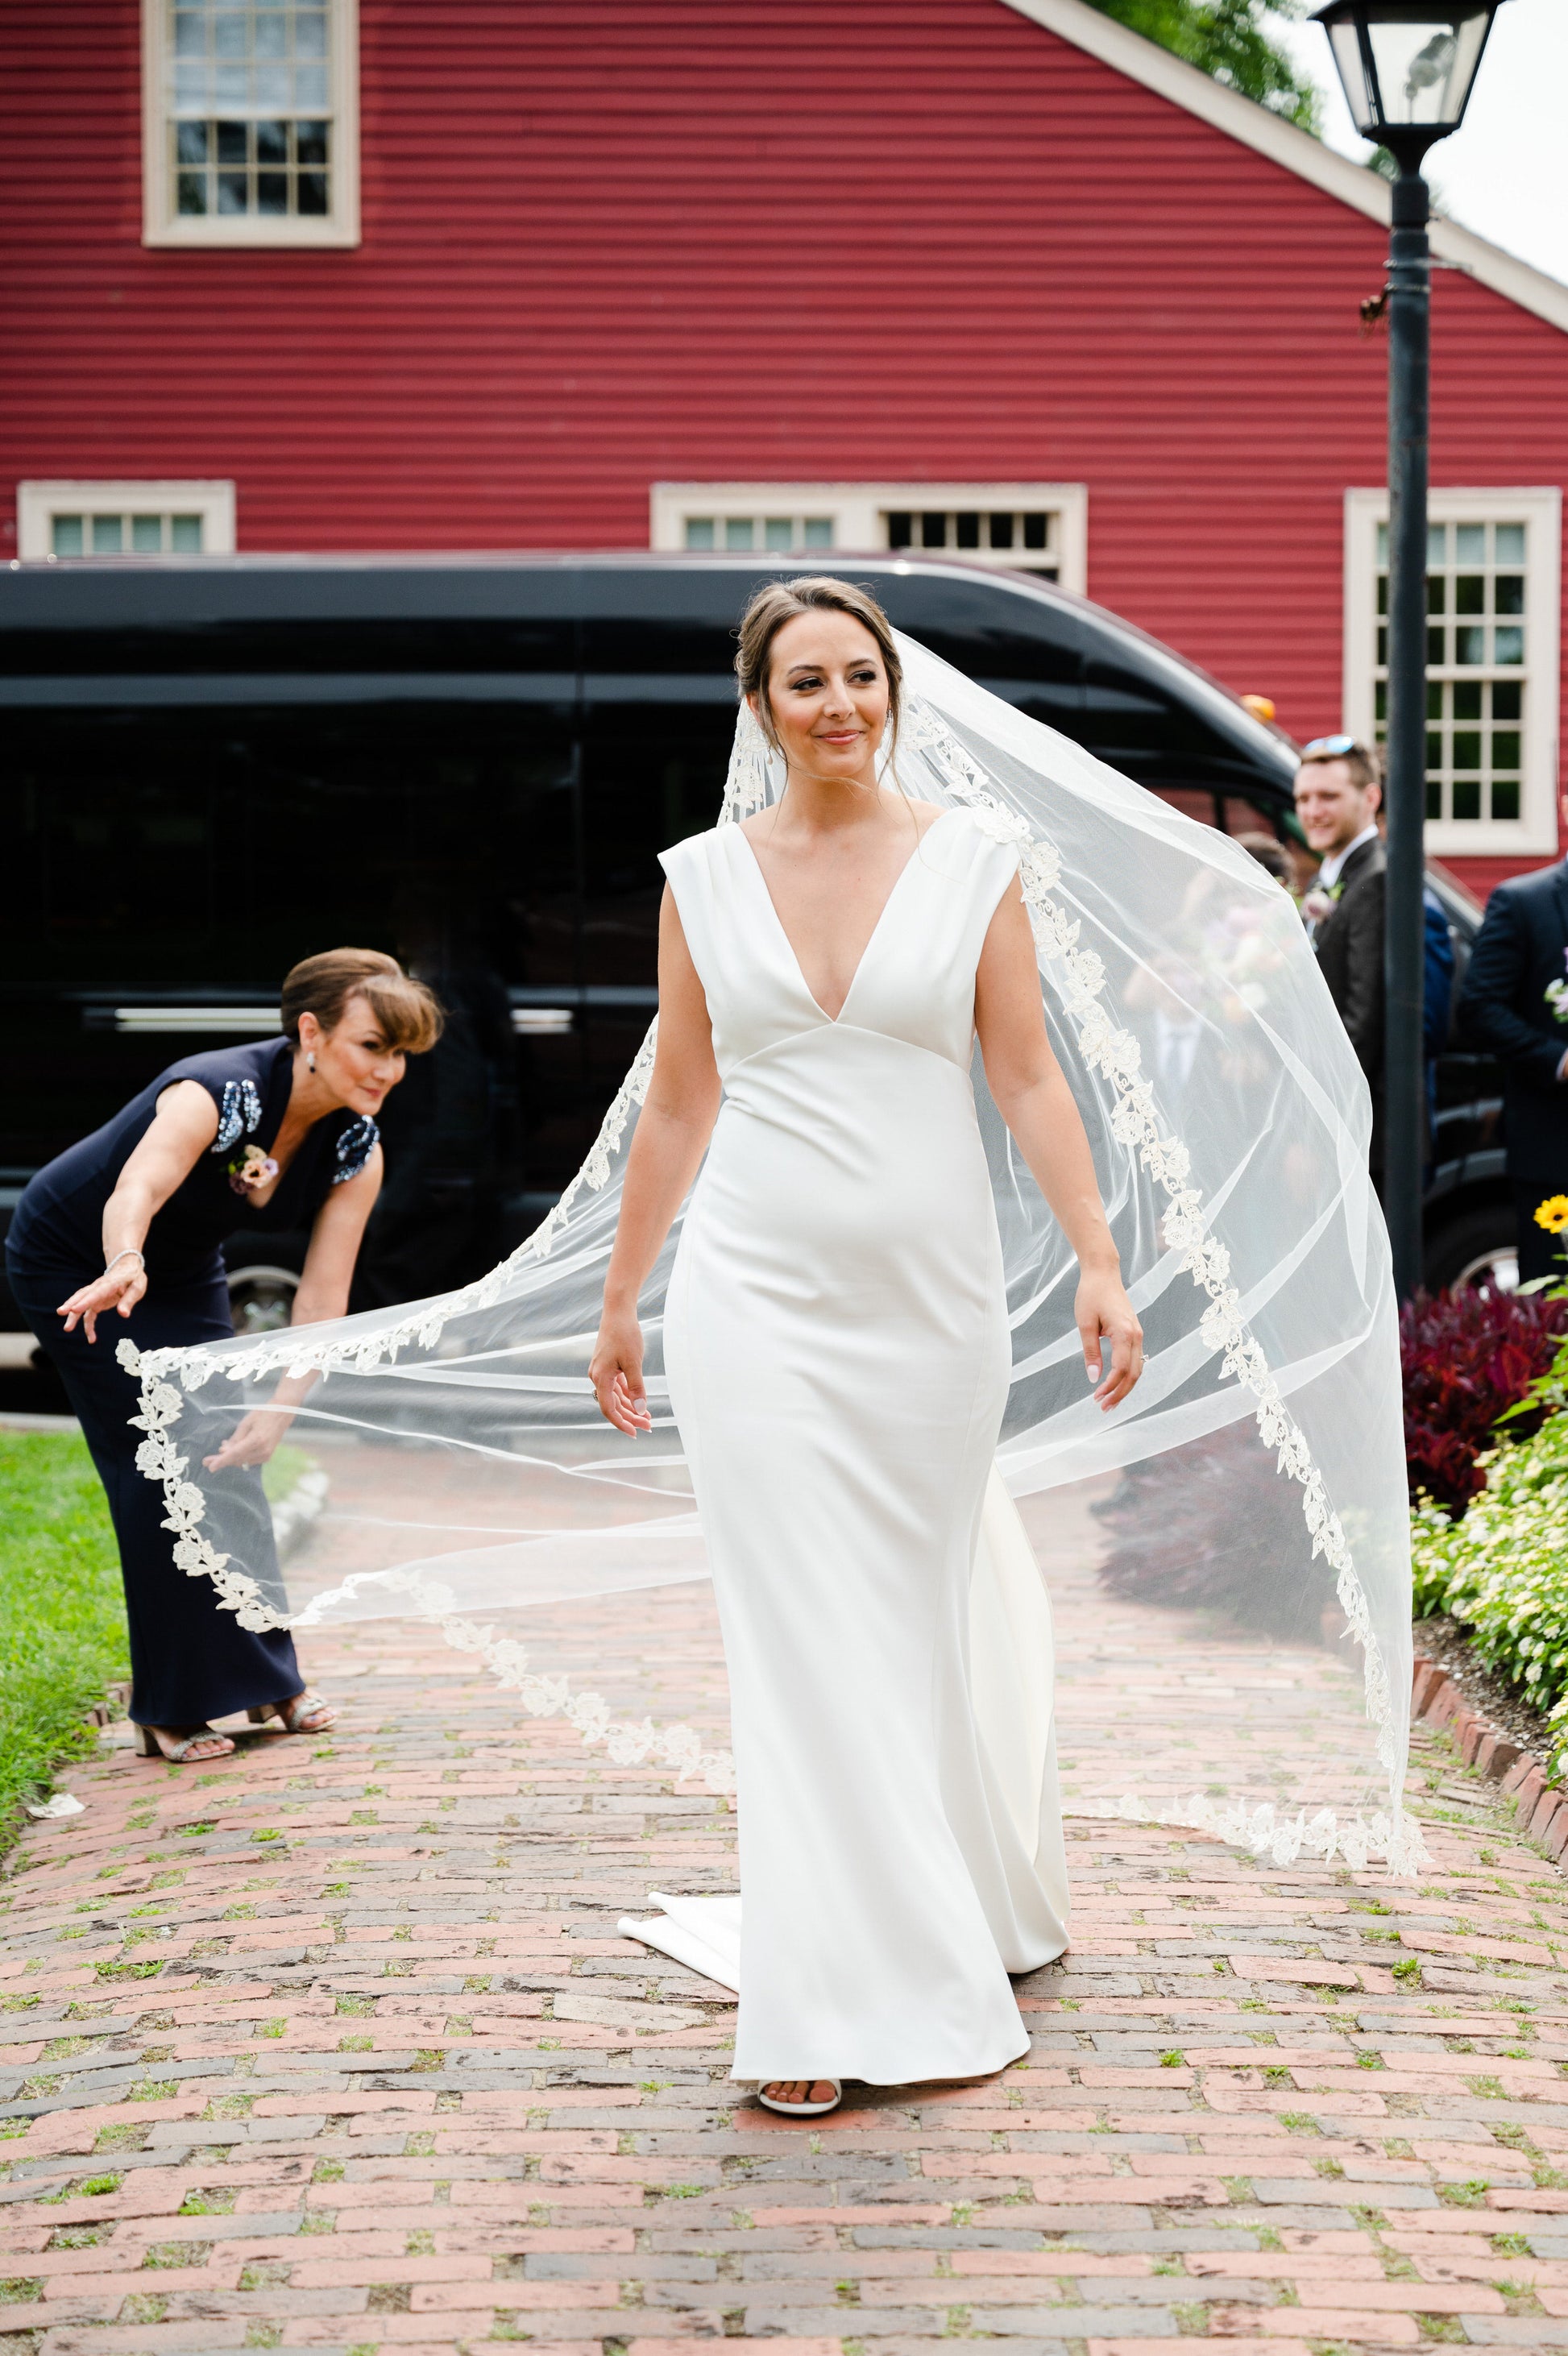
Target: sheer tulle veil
{"x":1236,"y":1536}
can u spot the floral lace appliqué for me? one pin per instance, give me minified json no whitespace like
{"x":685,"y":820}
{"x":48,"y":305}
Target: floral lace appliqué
{"x":355,"y":1147}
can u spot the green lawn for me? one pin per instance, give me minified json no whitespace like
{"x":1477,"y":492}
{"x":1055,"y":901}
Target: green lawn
{"x":62,"y":1614}
{"x":62,"y":1618}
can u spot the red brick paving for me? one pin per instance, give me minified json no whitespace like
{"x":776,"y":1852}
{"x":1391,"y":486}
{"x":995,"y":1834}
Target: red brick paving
{"x":333,"y":2047}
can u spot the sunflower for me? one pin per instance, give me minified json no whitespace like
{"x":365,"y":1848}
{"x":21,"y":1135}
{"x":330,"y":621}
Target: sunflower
{"x":1553,"y":1214}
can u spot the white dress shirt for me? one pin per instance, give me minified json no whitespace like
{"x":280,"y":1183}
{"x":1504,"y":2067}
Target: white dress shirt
{"x":1328,"y":875}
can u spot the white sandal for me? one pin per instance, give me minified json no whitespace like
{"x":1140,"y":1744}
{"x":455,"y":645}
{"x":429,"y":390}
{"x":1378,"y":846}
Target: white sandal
{"x":183,"y":1751}
{"x":800,"y":2110}
{"x":301,"y":1713}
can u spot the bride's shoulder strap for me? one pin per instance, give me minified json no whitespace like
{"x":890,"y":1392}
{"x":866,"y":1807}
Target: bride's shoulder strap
{"x":978,"y":846}
{"x":695,"y":867}
{"x":698,"y":872}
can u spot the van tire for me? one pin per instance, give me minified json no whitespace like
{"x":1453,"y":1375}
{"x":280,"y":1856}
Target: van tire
{"x":1465,"y":1247}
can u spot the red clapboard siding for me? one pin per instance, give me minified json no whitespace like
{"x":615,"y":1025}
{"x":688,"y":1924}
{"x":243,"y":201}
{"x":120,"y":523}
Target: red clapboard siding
{"x":801,"y":239}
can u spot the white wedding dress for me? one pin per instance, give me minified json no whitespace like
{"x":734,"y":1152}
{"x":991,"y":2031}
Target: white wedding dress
{"x":837,"y":1347}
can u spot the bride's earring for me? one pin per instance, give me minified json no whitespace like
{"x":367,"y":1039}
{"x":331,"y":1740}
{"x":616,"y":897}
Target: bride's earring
{"x":310,"y":1063}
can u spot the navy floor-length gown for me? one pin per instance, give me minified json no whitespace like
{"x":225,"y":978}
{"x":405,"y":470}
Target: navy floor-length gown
{"x":190,"y":1661}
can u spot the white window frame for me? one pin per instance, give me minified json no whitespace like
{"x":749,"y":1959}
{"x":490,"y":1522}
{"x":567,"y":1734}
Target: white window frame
{"x":162,"y":225}
{"x":39,"y":503}
{"x":858,"y":510}
{"x":1541,"y":509}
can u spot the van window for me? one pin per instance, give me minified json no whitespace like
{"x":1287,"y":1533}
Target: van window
{"x":188,"y":850}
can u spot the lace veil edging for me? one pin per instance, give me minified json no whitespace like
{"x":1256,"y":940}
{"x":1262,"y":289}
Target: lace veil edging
{"x":939,"y":734}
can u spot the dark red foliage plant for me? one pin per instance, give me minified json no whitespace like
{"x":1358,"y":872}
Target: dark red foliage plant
{"x":1467,"y":1357}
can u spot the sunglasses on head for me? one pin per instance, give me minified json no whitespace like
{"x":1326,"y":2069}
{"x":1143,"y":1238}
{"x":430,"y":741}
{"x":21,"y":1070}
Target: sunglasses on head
{"x":1329,"y":748}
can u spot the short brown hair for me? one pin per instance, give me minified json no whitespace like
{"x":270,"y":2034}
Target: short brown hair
{"x":1363,"y":763}
{"x":410,"y":1015}
{"x":814,"y":593}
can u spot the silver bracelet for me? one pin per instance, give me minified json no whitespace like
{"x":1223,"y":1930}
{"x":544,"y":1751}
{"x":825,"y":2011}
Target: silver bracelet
{"x":128,"y":1253}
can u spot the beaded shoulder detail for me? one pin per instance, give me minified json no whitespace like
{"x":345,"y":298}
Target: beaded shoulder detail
{"x":354,"y":1147}
{"x":239,"y":1115}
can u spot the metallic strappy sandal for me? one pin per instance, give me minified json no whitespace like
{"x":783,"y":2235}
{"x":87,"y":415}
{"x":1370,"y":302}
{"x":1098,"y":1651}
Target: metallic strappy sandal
{"x":800,"y":2110}
{"x":179,"y":1754}
{"x":305,"y":1714}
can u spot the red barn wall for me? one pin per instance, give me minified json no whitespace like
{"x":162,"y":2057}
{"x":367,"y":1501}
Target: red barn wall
{"x":605,"y":244}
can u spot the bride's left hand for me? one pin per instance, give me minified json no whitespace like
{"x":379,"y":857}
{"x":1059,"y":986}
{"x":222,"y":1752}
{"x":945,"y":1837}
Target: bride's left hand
{"x":1103,"y":1313}
{"x":615,"y":1371}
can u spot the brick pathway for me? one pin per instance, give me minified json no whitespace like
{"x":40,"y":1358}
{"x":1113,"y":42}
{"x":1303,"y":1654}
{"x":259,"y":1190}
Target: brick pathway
{"x":334,"y":2047}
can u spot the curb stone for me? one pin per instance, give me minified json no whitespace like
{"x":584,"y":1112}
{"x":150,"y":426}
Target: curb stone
{"x":1542,"y":1805}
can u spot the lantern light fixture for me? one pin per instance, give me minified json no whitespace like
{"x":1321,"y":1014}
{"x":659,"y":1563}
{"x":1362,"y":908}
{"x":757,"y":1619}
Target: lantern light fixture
{"x":1407,"y":66}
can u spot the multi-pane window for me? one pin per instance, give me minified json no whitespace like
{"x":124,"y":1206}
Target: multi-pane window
{"x":146,"y":519}
{"x":1492,"y":660}
{"x":248,"y":124}
{"x":777,"y":531}
{"x":1476,"y":590}
{"x":1027,"y":537}
{"x":125,"y":535}
{"x":1039,"y":527}
{"x":249,"y":121}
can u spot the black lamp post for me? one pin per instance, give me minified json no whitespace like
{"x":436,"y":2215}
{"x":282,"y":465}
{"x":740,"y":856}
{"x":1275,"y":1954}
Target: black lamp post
{"x":1408,"y":67}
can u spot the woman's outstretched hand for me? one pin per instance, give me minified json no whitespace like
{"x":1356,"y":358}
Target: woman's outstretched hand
{"x":253,"y":1440}
{"x":1103,"y":1313}
{"x":615,"y":1371}
{"x":118,"y":1287}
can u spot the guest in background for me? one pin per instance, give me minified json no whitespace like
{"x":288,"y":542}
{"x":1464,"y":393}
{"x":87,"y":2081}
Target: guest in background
{"x":1515,"y":1002}
{"x":1272,"y":855}
{"x":1339,"y":792}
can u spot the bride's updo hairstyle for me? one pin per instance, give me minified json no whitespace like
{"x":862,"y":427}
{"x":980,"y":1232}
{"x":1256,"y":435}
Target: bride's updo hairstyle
{"x":410,"y":1015}
{"x":815,"y":593}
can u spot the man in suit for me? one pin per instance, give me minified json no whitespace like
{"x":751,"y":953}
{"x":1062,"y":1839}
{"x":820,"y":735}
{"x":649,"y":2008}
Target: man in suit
{"x":1515,"y":1001}
{"x":1338,"y":790}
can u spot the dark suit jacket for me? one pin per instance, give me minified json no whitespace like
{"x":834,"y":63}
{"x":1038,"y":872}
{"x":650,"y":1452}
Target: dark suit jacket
{"x":1349,"y":946}
{"x":1519,"y":949}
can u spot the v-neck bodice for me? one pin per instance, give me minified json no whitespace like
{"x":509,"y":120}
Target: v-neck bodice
{"x":915,"y":981}
{"x":871,"y":937}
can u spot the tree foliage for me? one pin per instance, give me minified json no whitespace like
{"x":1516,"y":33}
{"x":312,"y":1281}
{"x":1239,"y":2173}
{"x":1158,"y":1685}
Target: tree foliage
{"x":1230,"y":39}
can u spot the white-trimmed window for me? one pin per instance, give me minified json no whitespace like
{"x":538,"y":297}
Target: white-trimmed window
{"x":63,"y":519}
{"x":1028,"y":527}
{"x":250,"y":123}
{"x":1493,"y":656}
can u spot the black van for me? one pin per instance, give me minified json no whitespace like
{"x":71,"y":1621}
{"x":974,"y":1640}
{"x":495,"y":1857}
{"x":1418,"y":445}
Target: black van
{"x":218,"y":765}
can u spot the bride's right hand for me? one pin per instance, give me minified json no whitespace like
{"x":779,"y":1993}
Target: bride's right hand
{"x":615,"y":1371}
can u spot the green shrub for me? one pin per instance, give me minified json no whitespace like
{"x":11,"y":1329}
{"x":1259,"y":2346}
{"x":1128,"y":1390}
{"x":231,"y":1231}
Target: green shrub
{"x":1503,"y":1570}
{"x":62,"y":1616}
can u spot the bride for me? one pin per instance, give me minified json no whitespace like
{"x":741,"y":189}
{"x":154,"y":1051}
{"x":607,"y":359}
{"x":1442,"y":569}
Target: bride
{"x":837,"y":1346}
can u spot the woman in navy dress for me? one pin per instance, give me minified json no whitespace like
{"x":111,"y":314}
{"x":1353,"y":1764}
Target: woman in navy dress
{"x":278,"y":1135}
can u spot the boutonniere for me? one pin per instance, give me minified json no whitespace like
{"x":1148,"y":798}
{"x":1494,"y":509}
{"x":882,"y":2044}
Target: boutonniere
{"x":1320,"y":902}
{"x":251,"y":1168}
{"x":1556,"y":996}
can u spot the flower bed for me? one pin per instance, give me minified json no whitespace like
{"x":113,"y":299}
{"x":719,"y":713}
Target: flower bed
{"x":1502,"y":1571}
{"x":1468,"y":1358}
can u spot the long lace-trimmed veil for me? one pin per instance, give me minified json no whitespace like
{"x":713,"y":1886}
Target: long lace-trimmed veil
{"x":1227,"y":1552}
